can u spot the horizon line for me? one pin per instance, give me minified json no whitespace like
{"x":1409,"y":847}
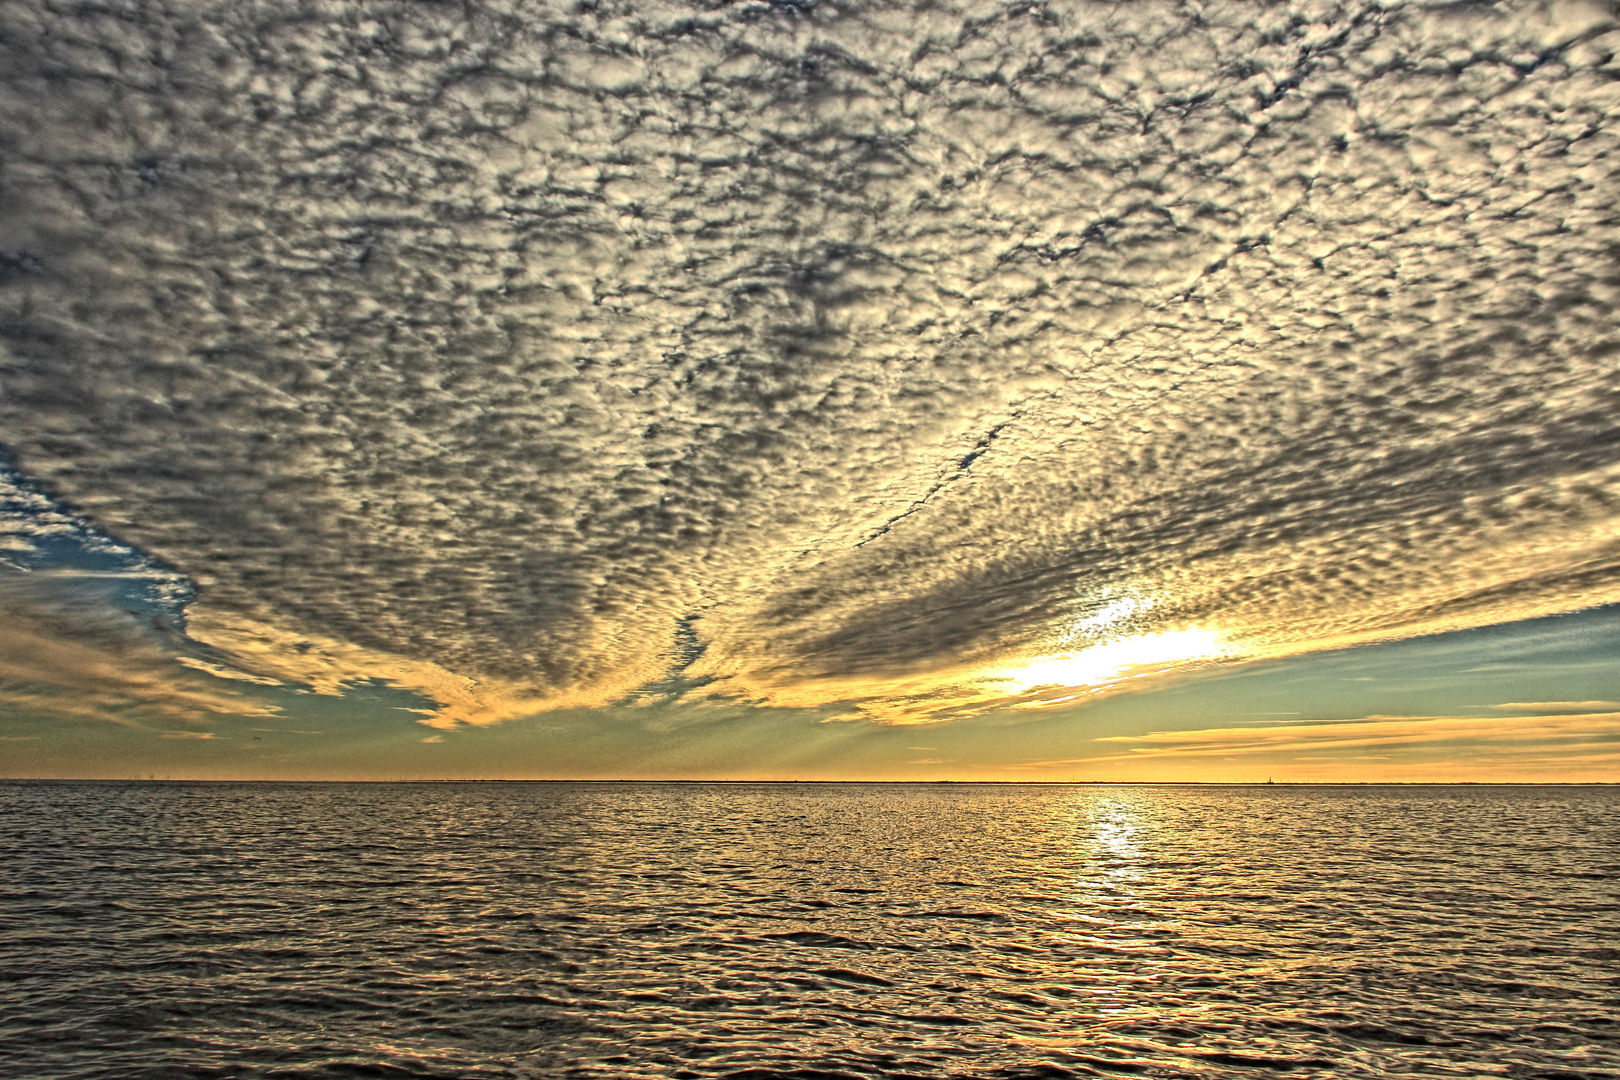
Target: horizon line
{"x":910,"y":783}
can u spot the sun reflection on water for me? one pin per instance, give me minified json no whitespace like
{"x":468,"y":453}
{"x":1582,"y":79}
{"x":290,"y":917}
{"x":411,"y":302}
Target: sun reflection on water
{"x":1116,"y":860}
{"x":1112,"y":925}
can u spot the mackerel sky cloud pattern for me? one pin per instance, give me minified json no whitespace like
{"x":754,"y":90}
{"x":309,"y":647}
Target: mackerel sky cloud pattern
{"x":524,"y":355}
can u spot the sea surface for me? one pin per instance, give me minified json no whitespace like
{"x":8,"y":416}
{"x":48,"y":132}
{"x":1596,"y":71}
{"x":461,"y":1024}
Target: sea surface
{"x":806,"y":930}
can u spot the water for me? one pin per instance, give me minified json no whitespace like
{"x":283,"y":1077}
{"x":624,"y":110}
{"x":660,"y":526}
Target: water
{"x":810,"y":931}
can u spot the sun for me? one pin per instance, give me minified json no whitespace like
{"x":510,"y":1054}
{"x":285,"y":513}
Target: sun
{"x":1104,"y":665}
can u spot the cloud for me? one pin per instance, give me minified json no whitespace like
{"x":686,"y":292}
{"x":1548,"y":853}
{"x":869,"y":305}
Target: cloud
{"x":522,"y":355}
{"x":1377,"y":731}
{"x":220,"y":671}
{"x":70,"y":655}
{"x":1566,"y":748}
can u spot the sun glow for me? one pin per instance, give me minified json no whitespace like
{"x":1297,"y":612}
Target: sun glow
{"x":1104,"y":665}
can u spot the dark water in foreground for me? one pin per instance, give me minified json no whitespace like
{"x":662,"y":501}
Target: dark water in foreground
{"x":627,"y":930}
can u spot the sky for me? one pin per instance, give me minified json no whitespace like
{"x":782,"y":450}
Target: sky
{"x":810,"y":391}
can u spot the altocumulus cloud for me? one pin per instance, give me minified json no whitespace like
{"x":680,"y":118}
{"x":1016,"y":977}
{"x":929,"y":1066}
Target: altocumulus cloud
{"x":523,"y":354}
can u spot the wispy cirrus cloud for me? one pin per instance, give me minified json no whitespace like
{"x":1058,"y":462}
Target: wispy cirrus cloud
{"x":1374,"y":731}
{"x":1578,"y":747}
{"x":1534,"y":707}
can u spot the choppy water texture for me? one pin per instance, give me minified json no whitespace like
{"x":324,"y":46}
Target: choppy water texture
{"x":623,"y":930}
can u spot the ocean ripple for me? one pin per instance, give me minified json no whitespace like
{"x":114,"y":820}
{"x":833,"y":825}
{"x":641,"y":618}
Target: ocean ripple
{"x":807,"y":931}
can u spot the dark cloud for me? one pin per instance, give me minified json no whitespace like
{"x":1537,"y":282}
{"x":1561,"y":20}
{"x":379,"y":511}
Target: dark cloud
{"x":501,"y":350}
